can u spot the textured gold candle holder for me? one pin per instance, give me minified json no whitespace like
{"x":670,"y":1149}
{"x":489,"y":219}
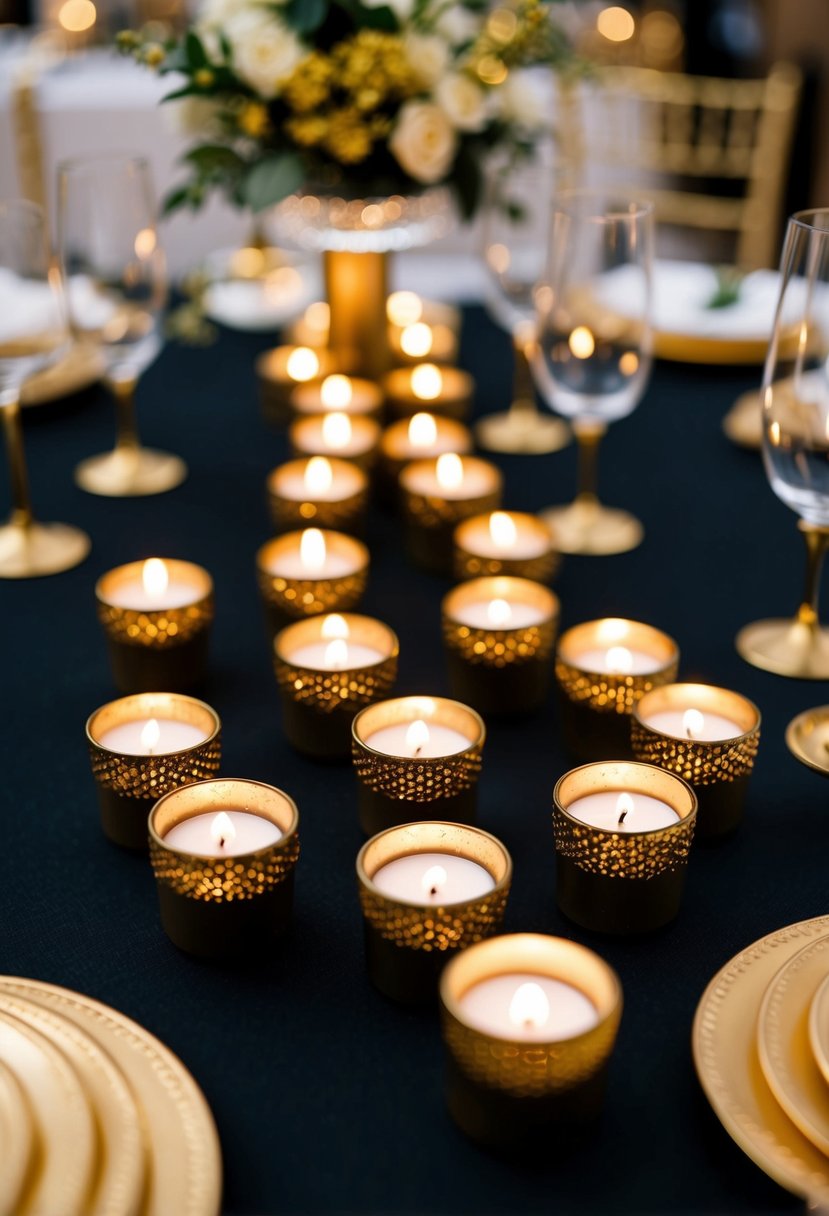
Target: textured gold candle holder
{"x":621,"y":882}
{"x":396,"y":450}
{"x":509,"y":1093}
{"x":475,"y":555}
{"x":318,"y":706}
{"x":398,"y":789}
{"x":595,"y":707}
{"x":407,"y":944}
{"x":292,"y":506}
{"x":276,"y":384}
{"x":431,"y":517}
{"x":225,"y":907}
{"x":366,"y":399}
{"x":497,"y":670}
{"x":287,"y":599}
{"x":130,"y":785}
{"x":454,"y":399}
{"x":306,"y":438}
{"x":718,"y":770}
{"x":152,"y":648}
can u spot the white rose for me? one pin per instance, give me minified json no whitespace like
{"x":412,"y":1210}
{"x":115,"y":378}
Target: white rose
{"x":402,"y":9}
{"x":265,"y":51}
{"x":428,"y":55}
{"x":463,"y":102}
{"x":525,"y":101}
{"x":423,"y":142}
{"x":217,"y":12}
{"x":193,"y":117}
{"x":458,"y":25}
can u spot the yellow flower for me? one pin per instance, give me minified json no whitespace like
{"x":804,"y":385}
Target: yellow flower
{"x":203,"y":78}
{"x":308,"y":130}
{"x":349,"y":139}
{"x":253,"y":119}
{"x":308,"y":86}
{"x":153,"y":54}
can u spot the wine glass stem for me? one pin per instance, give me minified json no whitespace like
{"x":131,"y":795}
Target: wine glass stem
{"x":21,"y":516}
{"x":817,"y":540}
{"x":126,"y":433}
{"x":588,"y":437}
{"x":523,"y":389}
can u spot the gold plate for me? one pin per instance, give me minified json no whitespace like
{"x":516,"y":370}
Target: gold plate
{"x":807,"y":738}
{"x":688,"y":348}
{"x":16,"y":1138}
{"x":743,"y":424}
{"x":819,"y":1028}
{"x":119,"y":1184}
{"x":80,"y":367}
{"x":728,"y":1066}
{"x":783,"y":1042}
{"x":185,"y":1157}
{"x":65,"y":1162}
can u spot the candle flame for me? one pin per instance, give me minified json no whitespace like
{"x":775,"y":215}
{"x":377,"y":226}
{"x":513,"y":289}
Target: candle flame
{"x":336,"y":653}
{"x":498,"y":257}
{"x":529,"y":1006}
{"x":318,"y":317}
{"x":610,"y":630}
{"x":312,"y":551}
{"x":434,"y":878}
{"x":629,"y":363}
{"x":150,"y":735}
{"x":145,"y":243}
{"x":336,"y":430}
{"x":335,"y":392}
{"x":154,"y":576}
{"x":693,"y":722}
{"x":427,"y":382}
{"x":77,"y":15}
{"x":334,"y":626}
{"x":423,"y":431}
{"x":416,"y":340}
{"x":404,"y":308}
{"x":222,"y":830}
{"x":417,"y":736}
{"x":318,"y":476}
{"x":449,"y":471}
{"x":498,"y":613}
{"x":502,"y":530}
{"x":581,"y":342}
{"x":302,"y":364}
{"x":619,"y":660}
{"x":624,"y":807}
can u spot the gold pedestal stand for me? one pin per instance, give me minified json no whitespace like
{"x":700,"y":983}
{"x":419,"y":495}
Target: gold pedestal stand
{"x":356,"y":287}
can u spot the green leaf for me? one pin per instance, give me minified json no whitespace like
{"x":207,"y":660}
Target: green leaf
{"x":196,"y":54}
{"x":214,"y":158}
{"x":176,"y":199}
{"x":306,"y":16}
{"x":273,"y":179}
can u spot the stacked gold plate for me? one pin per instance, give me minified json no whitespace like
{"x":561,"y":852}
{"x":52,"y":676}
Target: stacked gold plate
{"x":761,"y":1048}
{"x":97,"y":1117}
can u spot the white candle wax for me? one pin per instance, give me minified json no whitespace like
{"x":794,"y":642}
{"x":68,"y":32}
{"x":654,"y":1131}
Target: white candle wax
{"x":491,"y":1006}
{"x":442,"y":741}
{"x":310,"y":438}
{"x":639,"y":663}
{"x":316,"y":656}
{"x":350,"y":395}
{"x":289,"y":564}
{"x":433,"y":878}
{"x":198,"y":835}
{"x":603,"y":810}
{"x":480,"y":615}
{"x":133,"y":594}
{"x":478,"y":480}
{"x":705,"y":726}
{"x":290,"y":482}
{"x":528,"y":542}
{"x":172,"y":737}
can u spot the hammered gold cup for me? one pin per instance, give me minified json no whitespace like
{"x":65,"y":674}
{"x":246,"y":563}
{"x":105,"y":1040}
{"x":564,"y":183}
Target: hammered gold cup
{"x":515,"y":1095}
{"x":288,"y":599}
{"x":407,"y":944}
{"x":344,"y":513}
{"x":319,"y":706}
{"x":276,"y":384}
{"x":396,"y":451}
{"x":595,"y":707}
{"x":225,"y":908}
{"x":306,"y":438}
{"x":129,"y":785}
{"x":472,"y":560}
{"x":431,"y":519}
{"x":393,"y":790}
{"x":621,"y":882}
{"x":157,"y":648}
{"x":453,"y":401}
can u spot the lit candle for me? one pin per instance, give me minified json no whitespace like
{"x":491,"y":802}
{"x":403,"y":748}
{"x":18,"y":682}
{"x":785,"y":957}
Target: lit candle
{"x":423,"y":339}
{"x":346,"y":394}
{"x":305,"y":573}
{"x":623,"y":812}
{"x":222,"y":834}
{"x":330,"y":492}
{"x":528,"y":1008}
{"x":499,"y":614}
{"x":441,"y":390}
{"x":312,"y":559}
{"x":336,"y":434}
{"x":452,"y":477}
{"x":424,"y":435}
{"x":404,"y":308}
{"x":153,"y":589}
{"x":151,"y":737}
{"x":281,"y":370}
{"x":433,"y":878}
{"x":505,"y":542}
{"x":334,"y":651}
{"x":312,"y":327}
{"x":692,"y":724}
{"x":417,"y":739}
{"x":617,"y":661}
{"x":436,"y":495}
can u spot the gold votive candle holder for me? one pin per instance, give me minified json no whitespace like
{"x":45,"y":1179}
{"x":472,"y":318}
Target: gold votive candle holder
{"x":434,"y":340}
{"x":498,"y":636}
{"x":225,"y":907}
{"x":672,"y":727}
{"x":615,"y":877}
{"x":603,"y":668}
{"x":161,"y":640}
{"x":291,"y":592}
{"x":129,"y":783}
{"x":408,"y":940}
{"x":333,"y":494}
{"x":505,"y":542}
{"x":327,"y":669}
{"x":436,"y":495}
{"x":336,"y":434}
{"x":444,"y":391}
{"x":352,"y":395}
{"x":511,"y":1085}
{"x":419,"y":437}
{"x":281,"y":370}
{"x":406,"y":780}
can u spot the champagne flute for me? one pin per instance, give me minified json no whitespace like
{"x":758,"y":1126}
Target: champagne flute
{"x":795,"y":396}
{"x":515,"y":228}
{"x":116,"y":286}
{"x":32,"y":336}
{"x":593,"y":352}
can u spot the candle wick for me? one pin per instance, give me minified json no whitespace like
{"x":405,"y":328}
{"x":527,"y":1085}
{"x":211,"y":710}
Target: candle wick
{"x":418,"y":749}
{"x":433,"y":891}
{"x":622,"y":817}
{"x":221,"y":842}
{"x":688,"y":732}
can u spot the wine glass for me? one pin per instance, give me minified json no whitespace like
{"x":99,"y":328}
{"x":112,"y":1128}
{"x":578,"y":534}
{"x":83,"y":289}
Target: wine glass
{"x":593,"y":351}
{"x":32,"y":336}
{"x":116,"y":286}
{"x":795,"y":396}
{"x":516,"y":219}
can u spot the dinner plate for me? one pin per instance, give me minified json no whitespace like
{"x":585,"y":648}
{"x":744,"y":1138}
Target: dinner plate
{"x":80,"y":367}
{"x":66,"y":1156}
{"x":724,"y":1045}
{"x":185,"y":1158}
{"x":16,"y":1139}
{"x":783,"y":1042}
{"x":119,"y":1184}
{"x":819,"y":1028}
{"x":258,"y":303}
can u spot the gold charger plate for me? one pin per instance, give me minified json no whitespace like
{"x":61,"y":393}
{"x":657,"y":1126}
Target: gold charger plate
{"x":689,"y":348}
{"x":783,"y":1042}
{"x":80,"y":367}
{"x":185,"y":1156}
{"x":16,"y":1141}
{"x":819,"y":1028}
{"x":807,"y":738}
{"x":725,"y":1055}
{"x":118,"y":1186}
{"x":66,"y":1155}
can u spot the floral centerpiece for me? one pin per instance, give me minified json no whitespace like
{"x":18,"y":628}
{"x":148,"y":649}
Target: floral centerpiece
{"x":354,"y":97}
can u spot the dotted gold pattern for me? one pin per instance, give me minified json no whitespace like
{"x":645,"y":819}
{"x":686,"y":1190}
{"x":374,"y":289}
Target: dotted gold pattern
{"x":627,"y":855}
{"x":417,"y":780}
{"x":500,"y":647}
{"x":432,"y":512}
{"x":436,"y":929}
{"x":309,"y":597}
{"x":696,"y":761}
{"x":341,"y":516}
{"x":610,"y":694}
{"x":163,"y":629}
{"x":541,"y":569}
{"x":153,"y":776}
{"x":225,"y":879}
{"x":330,"y":691}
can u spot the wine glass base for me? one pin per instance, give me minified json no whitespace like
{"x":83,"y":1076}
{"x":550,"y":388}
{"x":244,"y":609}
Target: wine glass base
{"x":130,"y":472}
{"x":592,"y":529}
{"x":37,"y":549}
{"x":523,"y":432}
{"x":787,"y":648}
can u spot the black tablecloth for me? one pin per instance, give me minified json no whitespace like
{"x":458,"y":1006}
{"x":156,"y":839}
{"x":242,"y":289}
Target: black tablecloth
{"x":327,"y":1097}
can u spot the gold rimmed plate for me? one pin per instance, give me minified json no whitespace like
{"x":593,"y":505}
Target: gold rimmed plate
{"x":783,"y":1042}
{"x":819,"y":1029}
{"x":185,"y":1166}
{"x":807,"y":738}
{"x":724,"y":1045}
{"x":16,"y":1138}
